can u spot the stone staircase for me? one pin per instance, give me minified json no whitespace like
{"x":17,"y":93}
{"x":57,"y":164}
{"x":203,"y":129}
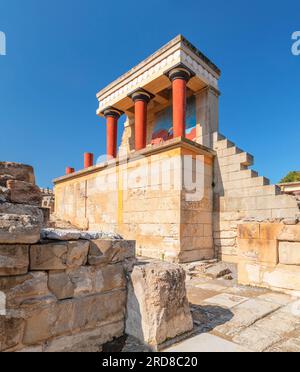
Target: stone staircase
{"x":240,"y":193}
{"x":233,"y":177}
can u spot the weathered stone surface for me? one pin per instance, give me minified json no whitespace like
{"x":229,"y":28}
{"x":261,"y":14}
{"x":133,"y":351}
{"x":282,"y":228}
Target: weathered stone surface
{"x":14,"y":259}
{"x":94,"y":235}
{"x":52,"y":256}
{"x":24,"y":193}
{"x":157,"y":307}
{"x":66,"y":316}
{"x":63,"y":235}
{"x":60,"y":285}
{"x":77,"y":253}
{"x":19,"y":229}
{"x":290,"y":221}
{"x":244,"y":315}
{"x":106,"y":251}
{"x":290,"y":233}
{"x":89,"y":341}
{"x":257,"y":339}
{"x":289,"y":253}
{"x":218,"y":270}
{"x":16,"y":171}
{"x":22,"y":209}
{"x":58,"y":255}
{"x":95,"y":279}
{"x":4,"y":194}
{"x":26,"y":290}
{"x":11,"y":332}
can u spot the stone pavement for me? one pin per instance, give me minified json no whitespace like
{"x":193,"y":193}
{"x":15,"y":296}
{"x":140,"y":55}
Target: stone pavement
{"x":231,"y":318}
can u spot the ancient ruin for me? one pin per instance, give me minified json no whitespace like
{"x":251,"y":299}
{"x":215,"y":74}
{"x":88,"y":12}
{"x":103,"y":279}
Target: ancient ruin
{"x":172,"y":235}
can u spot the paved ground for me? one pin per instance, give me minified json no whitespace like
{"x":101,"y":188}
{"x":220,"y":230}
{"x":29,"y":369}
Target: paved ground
{"x":230,"y":318}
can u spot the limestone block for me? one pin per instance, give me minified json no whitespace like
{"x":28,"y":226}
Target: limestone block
{"x":20,"y":172}
{"x":19,"y":229}
{"x":77,"y":253}
{"x":26,"y":290}
{"x":52,"y":256}
{"x":24,"y":193}
{"x":11,"y":332}
{"x":22,"y":209}
{"x":14,"y":259}
{"x":59,"y":255}
{"x":258,"y":250}
{"x":88,"y":341}
{"x":289,"y":253}
{"x":65,"y":316}
{"x":249,"y":231}
{"x":157,"y":308}
{"x":270,"y":231}
{"x":290,"y":233}
{"x":57,"y":234}
{"x":95,"y":279}
{"x":109,"y":251}
{"x":60,"y":285}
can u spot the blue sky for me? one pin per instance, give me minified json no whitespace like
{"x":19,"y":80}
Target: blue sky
{"x":61,"y":52}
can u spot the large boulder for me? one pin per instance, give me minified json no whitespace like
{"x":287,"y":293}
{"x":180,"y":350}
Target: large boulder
{"x":16,"y":171}
{"x":24,"y":193}
{"x":157,"y":308}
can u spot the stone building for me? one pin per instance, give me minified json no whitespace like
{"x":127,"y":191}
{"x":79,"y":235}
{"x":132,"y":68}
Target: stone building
{"x":171,"y":134}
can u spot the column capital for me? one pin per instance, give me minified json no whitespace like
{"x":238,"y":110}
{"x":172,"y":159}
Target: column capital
{"x":141,"y":94}
{"x":113,"y":112}
{"x":180,"y":72}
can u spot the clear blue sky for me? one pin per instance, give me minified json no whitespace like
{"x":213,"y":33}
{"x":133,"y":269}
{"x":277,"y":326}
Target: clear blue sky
{"x":61,"y":52}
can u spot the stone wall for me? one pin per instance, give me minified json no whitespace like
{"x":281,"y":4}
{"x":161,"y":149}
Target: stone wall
{"x":141,"y":198}
{"x":269,"y":255}
{"x":241,"y":194}
{"x":59,"y":290}
{"x":63,"y":295}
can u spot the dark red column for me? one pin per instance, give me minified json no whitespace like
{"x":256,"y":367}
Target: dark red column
{"x":70,"y":170}
{"x":88,"y":160}
{"x":179,"y":78}
{"x":112,"y":117}
{"x":141,"y":98}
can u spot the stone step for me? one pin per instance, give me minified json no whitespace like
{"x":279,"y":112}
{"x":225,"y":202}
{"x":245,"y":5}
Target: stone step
{"x":218,"y":137}
{"x":245,"y":183}
{"x":223,"y":144}
{"x":271,"y":190}
{"x":243,"y":174}
{"x":229,"y":152}
{"x":243,"y":158}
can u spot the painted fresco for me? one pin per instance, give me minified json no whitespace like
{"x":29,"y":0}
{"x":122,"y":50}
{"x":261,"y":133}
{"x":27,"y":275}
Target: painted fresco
{"x":163,"y":130}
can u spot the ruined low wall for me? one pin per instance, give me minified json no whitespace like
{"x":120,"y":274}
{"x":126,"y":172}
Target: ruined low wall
{"x":63,"y":296}
{"x":269,"y":255}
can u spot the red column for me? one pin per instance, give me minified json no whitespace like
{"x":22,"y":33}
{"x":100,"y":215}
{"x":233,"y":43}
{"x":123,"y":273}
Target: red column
{"x":179,"y":107}
{"x":112,"y":116}
{"x":88,"y":160}
{"x":141,"y":98}
{"x":179,"y":77}
{"x":140,"y":108}
{"x":70,"y":170}
{"x":111,"y":136}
